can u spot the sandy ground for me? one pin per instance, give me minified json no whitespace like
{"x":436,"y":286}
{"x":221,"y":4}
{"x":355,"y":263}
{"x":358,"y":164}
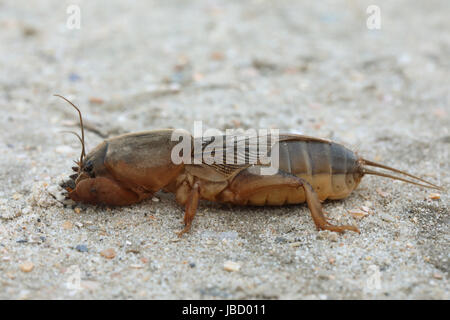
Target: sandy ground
{"x":314,"y":69}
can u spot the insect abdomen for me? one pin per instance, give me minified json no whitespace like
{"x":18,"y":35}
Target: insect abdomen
{"x":329,"y":167}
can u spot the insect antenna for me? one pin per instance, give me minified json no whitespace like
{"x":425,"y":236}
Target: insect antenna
{"x":78,"y":163}
{"x":382,"y":174}
{"x":83,"y":150}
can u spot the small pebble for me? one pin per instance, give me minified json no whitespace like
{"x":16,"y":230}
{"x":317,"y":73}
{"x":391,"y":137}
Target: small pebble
{"x":437,"y":276}
{"x":133,"y":250}
{"x":96,"y":100}
{"x":386,"y":217}
{"x":108,"y":253}
{"x":217,"y":55}
{"x":434,"y":196}
{"x":323,"y":276}
{"x":155,"y":199}
{"x":27,"y":266}
{"x":328,"y":235}
{"x":358,"y":214}
{"x":73,"y":77}
{"x":280,"y":240}
{"x":368,"y":204}
{"x":231,"y":266}
{"x":82,"y":248}
{"x":67,"y":225}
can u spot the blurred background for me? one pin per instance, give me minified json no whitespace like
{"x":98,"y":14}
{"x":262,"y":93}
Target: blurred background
{"x":304,"y":66}
{"x":315,"y":68}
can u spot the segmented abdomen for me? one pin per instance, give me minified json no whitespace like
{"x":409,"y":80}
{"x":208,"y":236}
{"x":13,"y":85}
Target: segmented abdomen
{"x":329,"y":167}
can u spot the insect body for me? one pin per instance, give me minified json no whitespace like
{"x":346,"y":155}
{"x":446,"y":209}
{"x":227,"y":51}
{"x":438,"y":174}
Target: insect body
{"x":129,"y":168}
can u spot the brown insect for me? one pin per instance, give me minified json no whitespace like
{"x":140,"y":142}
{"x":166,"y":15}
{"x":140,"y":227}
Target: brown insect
{"x":130,"y":168}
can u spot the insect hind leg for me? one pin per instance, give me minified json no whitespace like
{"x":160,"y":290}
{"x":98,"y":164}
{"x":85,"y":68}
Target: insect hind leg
{"x":247,"y":184}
